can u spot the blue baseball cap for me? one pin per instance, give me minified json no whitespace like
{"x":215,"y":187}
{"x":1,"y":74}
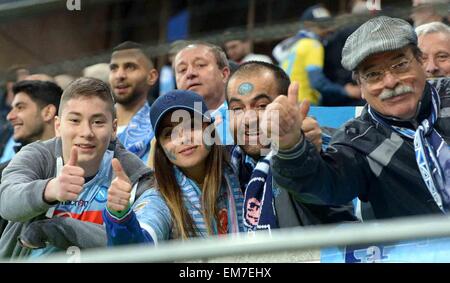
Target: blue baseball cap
{"x":174,"y":100}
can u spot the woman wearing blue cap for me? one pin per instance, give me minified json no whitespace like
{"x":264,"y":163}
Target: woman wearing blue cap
{"x":196,"y":192}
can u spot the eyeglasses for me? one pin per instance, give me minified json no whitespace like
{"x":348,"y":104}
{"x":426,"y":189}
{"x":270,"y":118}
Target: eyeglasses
{"x":395,"y":69}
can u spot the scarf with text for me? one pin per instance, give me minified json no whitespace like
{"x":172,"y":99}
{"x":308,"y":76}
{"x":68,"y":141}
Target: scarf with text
{"x":256,"y":181}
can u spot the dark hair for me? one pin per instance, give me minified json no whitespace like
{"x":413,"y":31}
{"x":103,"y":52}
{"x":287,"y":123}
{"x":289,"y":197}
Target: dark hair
{"x":133,"y":45}
{"x":252,"y":67}
{"x":128,"y":45}
{"x":88,"y":87}
{"x":234,"y":33}
{"x":42,"y":93}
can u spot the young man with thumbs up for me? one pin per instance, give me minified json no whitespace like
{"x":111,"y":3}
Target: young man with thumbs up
{"x":53,"y":192}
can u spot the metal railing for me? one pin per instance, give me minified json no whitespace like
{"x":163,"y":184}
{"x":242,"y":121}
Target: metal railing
{"x":279,"y":240}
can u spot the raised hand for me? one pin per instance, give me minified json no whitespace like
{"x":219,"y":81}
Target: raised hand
{"x":312,"y":131}
{"x":287,"y":132}
{"x":119,"y":192}
{"x":69,"y":184}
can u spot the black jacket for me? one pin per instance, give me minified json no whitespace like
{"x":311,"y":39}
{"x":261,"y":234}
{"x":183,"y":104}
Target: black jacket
{"x":292,"y":212}
{"x":365,"y":160}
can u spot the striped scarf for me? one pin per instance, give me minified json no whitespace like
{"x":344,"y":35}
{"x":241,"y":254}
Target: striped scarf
{"x":256,"y":181}
{"x":138,"y":133}
{"x":432,"y":152}
{"x":230,"y":197}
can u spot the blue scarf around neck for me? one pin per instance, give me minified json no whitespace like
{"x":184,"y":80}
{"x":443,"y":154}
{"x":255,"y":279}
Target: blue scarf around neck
{"x":138,"y":134}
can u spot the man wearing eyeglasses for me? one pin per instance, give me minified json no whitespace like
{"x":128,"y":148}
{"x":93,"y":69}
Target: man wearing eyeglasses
{"x":395,"y":154}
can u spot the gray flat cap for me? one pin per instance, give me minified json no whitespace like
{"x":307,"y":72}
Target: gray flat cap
{"x":379,"y":34}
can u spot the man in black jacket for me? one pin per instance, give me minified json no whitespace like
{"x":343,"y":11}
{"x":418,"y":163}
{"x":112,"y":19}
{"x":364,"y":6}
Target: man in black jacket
{"x":393,"y":154}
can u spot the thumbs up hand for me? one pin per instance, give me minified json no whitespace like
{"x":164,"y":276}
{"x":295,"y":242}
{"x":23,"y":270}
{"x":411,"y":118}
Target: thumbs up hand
{"x":287,"y":132}
{"x":69,"y":184}
{"x":119,"y":192}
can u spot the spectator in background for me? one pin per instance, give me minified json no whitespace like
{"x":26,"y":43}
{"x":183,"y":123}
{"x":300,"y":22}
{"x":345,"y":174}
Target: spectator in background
{"x":250,"y":89}
{"x":9,"y":150}
{"x":359,"y":7}
{"x":98,"y":71}
{"x":305,"y":60}
{"x":434,"y":42}
{"x":167,"y":76}
{"x":233,"y":66}
{"x":32,"y":116}
{"x":132,"y":74}
{"x":13,"y":75}
{"x":6,"y":130}
{"x":203,"y":67}
{"x":333,"y":44}
{"x":33,"y":112}
{"x":239,"y":50}
{"x":334,"y":71}
{"x":196,"y":192}
{"x":40,"y":77}
{"x":34,"y":108}
{"x":67,"y":176}
{"x":427,"y":11}
{"x":63,"y":80}
{"x":376,"y":156}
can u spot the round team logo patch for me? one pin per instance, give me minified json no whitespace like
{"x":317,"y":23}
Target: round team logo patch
{"x":245,"y":88}
{"x":102,"y":194}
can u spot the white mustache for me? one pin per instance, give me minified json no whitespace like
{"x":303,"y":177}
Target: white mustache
{"x":399,"y":90}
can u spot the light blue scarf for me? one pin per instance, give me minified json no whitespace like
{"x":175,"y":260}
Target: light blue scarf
{"x":138,"y":134}
{"x":230,"y":194}
{"x":256,"y":179}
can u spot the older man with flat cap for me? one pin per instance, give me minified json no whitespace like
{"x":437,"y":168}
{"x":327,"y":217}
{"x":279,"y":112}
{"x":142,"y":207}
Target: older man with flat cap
{"x":395,"y":154}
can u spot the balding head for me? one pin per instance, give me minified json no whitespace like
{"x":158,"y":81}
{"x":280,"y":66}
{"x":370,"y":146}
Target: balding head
{"x":40,"y":77}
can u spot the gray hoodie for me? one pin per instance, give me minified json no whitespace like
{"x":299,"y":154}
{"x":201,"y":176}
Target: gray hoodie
{"x":22,"y":204}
